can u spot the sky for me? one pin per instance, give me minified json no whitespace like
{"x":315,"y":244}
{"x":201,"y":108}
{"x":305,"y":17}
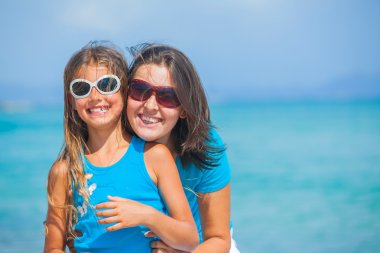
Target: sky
{"x":243,"y":49}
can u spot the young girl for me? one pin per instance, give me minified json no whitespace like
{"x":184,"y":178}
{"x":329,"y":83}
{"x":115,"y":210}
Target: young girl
{"x":100,"y":159}
{"x":167,"y":104}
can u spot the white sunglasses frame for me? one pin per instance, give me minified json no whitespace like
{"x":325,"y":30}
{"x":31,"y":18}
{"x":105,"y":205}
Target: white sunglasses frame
{"x":94,"y":84}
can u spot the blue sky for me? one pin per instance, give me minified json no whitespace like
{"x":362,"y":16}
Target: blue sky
{"x":243,"y":49}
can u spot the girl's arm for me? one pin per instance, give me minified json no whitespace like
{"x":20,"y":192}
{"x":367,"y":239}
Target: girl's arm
{"x":214,"y":210}
{"x":178,"y":230}
{"x":55,"y":238}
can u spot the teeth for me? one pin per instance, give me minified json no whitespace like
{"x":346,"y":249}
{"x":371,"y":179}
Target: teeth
{"x":149,"y":119}
{"x":98,"y":109}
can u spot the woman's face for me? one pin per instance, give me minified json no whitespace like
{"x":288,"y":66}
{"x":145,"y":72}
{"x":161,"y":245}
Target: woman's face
{"x":148,"y":119}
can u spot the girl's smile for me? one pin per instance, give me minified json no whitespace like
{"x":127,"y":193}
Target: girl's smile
{"x":98,"y":110}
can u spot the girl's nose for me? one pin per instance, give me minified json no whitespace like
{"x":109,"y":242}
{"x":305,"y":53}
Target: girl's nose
{"x":151,"y":103}
{"x":94,"y":94}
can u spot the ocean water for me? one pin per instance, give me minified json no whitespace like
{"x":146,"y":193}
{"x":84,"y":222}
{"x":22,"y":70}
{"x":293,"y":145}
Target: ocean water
{"x":305,"y":176}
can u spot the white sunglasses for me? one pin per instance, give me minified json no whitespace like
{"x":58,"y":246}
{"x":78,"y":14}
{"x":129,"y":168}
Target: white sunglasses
{"x":106,"y":85}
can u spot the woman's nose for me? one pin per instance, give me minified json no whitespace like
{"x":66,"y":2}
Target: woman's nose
{"x":151,"y":103}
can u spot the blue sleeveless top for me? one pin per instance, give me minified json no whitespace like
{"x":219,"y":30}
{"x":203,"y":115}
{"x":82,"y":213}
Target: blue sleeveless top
{"x":127,"y":178}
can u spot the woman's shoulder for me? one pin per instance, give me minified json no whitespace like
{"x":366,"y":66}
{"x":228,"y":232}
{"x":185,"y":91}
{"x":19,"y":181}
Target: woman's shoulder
{"x":215,"y":138}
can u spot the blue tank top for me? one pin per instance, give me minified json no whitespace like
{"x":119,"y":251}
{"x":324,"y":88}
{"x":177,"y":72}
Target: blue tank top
{"x":127,"y":178}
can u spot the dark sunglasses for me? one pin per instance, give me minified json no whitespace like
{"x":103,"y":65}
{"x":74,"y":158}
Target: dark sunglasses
{"x":106,"y":85}
{"x":165,"y":95}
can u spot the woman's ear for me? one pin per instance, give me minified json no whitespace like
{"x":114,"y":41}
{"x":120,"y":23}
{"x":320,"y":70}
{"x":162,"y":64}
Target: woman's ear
{"x":182,"y":114}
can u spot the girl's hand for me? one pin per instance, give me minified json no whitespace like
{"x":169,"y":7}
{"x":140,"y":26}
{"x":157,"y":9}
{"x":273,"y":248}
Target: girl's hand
{"x":124,"y":212}
{"x":161,"y":247}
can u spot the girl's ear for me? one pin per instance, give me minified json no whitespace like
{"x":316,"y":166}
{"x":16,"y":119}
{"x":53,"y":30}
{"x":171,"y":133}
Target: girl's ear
{"x":182,"y":114}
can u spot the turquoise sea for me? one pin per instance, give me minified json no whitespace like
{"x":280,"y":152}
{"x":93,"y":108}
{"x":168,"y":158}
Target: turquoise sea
{"x":306,"y":175}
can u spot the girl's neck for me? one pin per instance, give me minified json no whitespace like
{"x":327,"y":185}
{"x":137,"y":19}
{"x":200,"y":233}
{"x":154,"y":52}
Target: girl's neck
{"x":106,"y":140}
{"x":107,"y":147}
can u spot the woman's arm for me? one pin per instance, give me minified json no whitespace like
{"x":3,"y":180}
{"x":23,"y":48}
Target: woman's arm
{"x":178,"y":230}
{"x":214,"y":210}
{"x":55,"y":238}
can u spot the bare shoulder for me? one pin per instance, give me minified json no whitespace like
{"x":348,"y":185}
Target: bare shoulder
{"x":157,"y":152}
{"x":159,"y":161}
{"x":59,"y":169}
{"x":58,"y":175}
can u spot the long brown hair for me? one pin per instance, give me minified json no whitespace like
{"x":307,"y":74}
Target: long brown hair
{"x":75,"y":130}
{"x":191,"y":135}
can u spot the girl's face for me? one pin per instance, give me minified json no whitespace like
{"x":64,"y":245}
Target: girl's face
{"x":148,"y":119}
{"x":99,"y":112}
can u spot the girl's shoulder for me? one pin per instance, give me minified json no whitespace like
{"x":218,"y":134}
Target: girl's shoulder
{"x":57,"y":185}
{"x":158,"y":160}
{"x":59,"y":170}
{"x":156,"y":152}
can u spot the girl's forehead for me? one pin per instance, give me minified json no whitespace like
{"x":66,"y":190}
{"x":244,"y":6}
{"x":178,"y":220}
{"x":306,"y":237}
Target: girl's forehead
{"x":92,"y":70}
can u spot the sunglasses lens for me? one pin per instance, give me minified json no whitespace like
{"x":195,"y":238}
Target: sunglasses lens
{"x":107,"y":85}
{"x":140,"y":91}
{"x":167,"y":97}
{"x":80,"y":88}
